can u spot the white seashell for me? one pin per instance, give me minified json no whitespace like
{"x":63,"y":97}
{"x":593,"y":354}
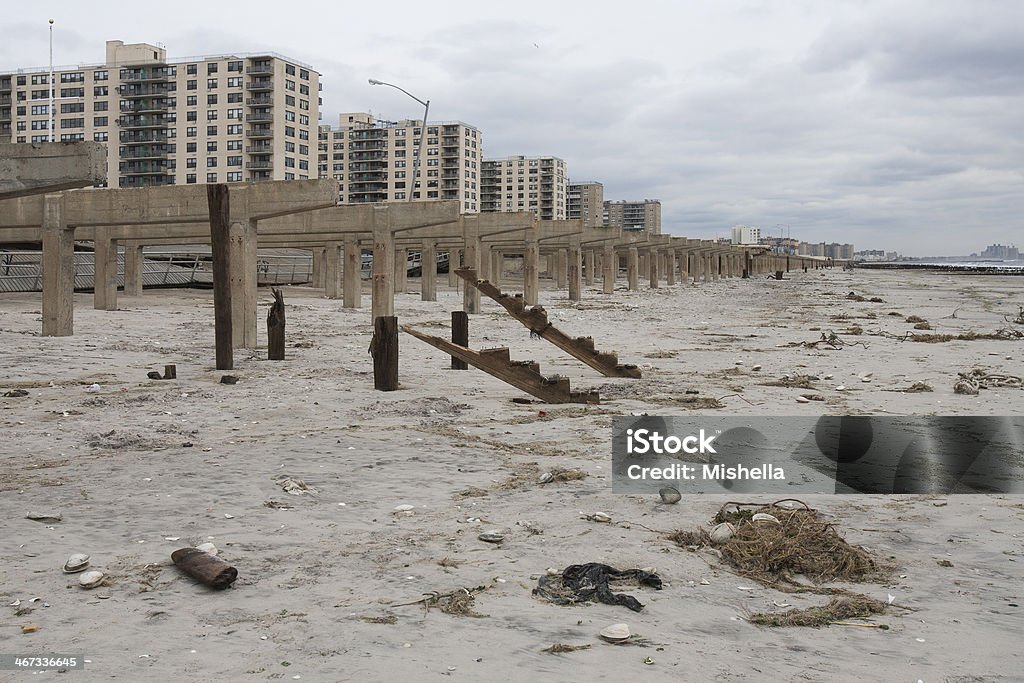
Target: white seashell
{"x":600,"y":517}
{"x":545,"y":478}
{"x":91,"y":579}
{"x":616,"y":633}
{"x":765,"y":517}
{"x":720,"y":533}
{"x":840,"y":388}
{"x":76,"y":563}
{"x":756,"y":368}
{"x":865,"y":379}
{"x":492,"y":537}
{"x":802,"y":399}
{"x":208,"y":548}
{"x":404,"y":508}
{"x":669,"y":495}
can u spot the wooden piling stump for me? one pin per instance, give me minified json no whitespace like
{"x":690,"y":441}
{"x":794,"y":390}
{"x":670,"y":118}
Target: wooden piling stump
{"x":460,"y":336}
{"x":275,"y":327}
{"x":384,"y":349}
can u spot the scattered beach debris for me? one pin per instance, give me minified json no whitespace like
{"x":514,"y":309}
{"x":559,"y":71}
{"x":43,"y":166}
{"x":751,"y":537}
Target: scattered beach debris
{"x":208,"y":548}
{"x":813,"y":397}
{"x":592,"y":581}
{"x":386,"y":619}
{"x":832,"y":340}
{"x":76,"y":563}
{"x":615,"y":633}
{"x":944,"y":563}
{"x":669,"y":495}
{"x":775,"y":555}
{"x":459,"y":602}
{"x":915,"y":388}
{"x":600,"y":517}
{"x":91,"y":579}
{"x":915,"y":319}
{"x":970,"y":382}
{"x":44,"y":516}
{"x":228,"y":379}
{"x":793,"y":381}
{"x":802,"y":399}
{"x":560,"y":475}
{"x":492,"y":537}
{"x":1002,"y":334}
{"x":204,"y":567}
{"x":295,"y":487}
{"x":15,"y":393}
{"x":836,"y":610}
{"x":1019,"y":320}
{"x":93,"y":389}
{"x":559,"y":648}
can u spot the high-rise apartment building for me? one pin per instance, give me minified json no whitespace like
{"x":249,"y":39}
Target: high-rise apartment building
{"x":372,"y":160}
{"x":745,"y":234}
{"x":585,"y":201}
{"x":634,"y":215}
{"x":518,"y":183}
{"x":223,"y":118}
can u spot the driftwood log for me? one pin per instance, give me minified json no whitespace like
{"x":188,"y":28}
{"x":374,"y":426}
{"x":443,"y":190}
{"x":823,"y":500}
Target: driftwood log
{"x":275,"y":327}
{"x":205,"y":568}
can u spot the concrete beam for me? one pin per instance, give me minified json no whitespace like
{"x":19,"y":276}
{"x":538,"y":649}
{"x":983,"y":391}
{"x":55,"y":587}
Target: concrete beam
{"x":43,"y":167}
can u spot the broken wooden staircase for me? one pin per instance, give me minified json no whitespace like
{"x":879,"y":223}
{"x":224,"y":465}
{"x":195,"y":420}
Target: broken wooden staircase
{"x":523,"y":375}
{"x":536,"y":320}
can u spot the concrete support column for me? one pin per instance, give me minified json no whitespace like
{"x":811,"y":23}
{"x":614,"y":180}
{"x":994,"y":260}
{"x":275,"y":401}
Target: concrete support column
{"x":670,"y":267}
{"x":383,"y":292}
{"x":471,"y":259}
{"x":134,"y":263}
{"x":684,"y":267}
{"x":243,"y":283}
{"x":401,"y":270}
{"x":353,"y":286}
{"x":590,"y":267}
{"x":454,"y":263}
{"x":531,"y":273}
{"x":574,"y":269}
{"x":317,"y":277}
{"x":653,"y":259}
{"x":104,"y":289}
{"x":609,"y":269}
{"x":497,"y":266}
{"x":58,"y":269}
{"x":428,"y":271}
{"x":632,"y":270}
{"x":330,"y":270}
{"x":561,"y":266}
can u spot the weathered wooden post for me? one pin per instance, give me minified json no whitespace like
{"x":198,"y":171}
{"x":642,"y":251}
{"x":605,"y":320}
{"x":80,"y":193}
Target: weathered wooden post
{"x":384,"y":349}
{"x":460,"y":336}
{"x":275,"y":327}
{"x":220,"y":243}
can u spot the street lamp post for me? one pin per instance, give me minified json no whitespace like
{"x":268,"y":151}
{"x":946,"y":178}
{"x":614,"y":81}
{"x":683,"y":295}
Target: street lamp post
{"x":51,"y":81}
{"x":418,"y":152}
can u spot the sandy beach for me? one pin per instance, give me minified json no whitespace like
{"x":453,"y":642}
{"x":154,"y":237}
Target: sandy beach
{"x":138,"y":468}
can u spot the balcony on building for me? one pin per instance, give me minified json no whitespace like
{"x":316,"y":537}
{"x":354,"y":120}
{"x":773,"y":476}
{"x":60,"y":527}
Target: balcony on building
{"x":145,"y":152}
{"x":260,"y":116}
{"x":259,"y":176}
{"x":142,"y":137}
{"x":258,"y":132}
{"x":259,"y":163}
{"x":145,"y":180}
{"x":367,"y":156}
{"x":360,"y":145}
{"x":149,"y":105}
{"x":260,"y":85}
{"x":144,"y":74}
{"x":261,"y":67}
{"x":142,"y":121}
{"x":260,"y":148}
{"x":378,"y":165}
{"x":155,"y":167}
{"x":260,"y":100}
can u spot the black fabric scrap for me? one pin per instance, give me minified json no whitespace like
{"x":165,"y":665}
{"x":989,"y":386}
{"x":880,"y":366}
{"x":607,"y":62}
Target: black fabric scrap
{"x":586,"y":582}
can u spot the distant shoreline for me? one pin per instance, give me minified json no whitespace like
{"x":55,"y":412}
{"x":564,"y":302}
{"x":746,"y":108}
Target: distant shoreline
{"x":946,"y":267}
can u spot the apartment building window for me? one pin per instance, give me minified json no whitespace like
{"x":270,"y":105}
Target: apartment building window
{"x":211,"y":68}
{"x":289,"y":162}
{"x":303,"y":120}
{"x":289,"y":85}
{"x":399,"y":195}
{"x":432,"y":162}
{"x":339,"y":167}
{"x":76,"y":77}
{"x":234,"y":176}
{"x":192,"y":69}
{"x":211,"y":83}
{"x":235,"y":82}
{"x":400,"y":164}
{"x":211,"y":178}
{"x":304,"y":105}
{"x":72,"y":108}
{"x":289,"y":146}
{"x":190,"y":162}
{"x":289,"y":176}
{"x":289,"y":100}
{"x":190,"y":148}
{"x":21,"y":81}
{"x":211,"y":162}
{"x":303,"y":89}
{"x":235,"y":129}
{"x":235,"y":66}
{"x":99,"y":121}
{"x":234,"y":98}
{"x":100,"y":91}
{"x":289,"y":69}
{"x":192,"y":84}
{"x":235,"y":161}
{"x":234,"y":145}
{"x":304,"y":74}
{"x":42,"y":79}
{"x":211,"y":146}
{"x":191,"y":131}
{"x":235,"y":114}
{"x":40,"y":94}
{"x":211,"y":131}
{"x":211,"y":99}
{"x":190,"y":178}
{"x":303,"y":134}
{"x":100,"y":75}
{"x":100,"y":137}
{"x":211,"y":114}
{"x":339,"y":145}
{"x":303,"y":165}
{"x":72,"y":123}
{"x":399,"y":153}
{"x":289,"y":116}
{"x":36,"y":125}
{"x":304,"y":150}
{"x":191,"y":116}
{"x":289,"y":131}
{"x":37,"y":110}
{"x":72,"y":137}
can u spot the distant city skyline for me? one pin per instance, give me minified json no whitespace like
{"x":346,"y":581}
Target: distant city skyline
{"x":886,"y":123}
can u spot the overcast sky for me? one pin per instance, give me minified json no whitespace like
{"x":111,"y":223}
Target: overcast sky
{"x":891,"y":124}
